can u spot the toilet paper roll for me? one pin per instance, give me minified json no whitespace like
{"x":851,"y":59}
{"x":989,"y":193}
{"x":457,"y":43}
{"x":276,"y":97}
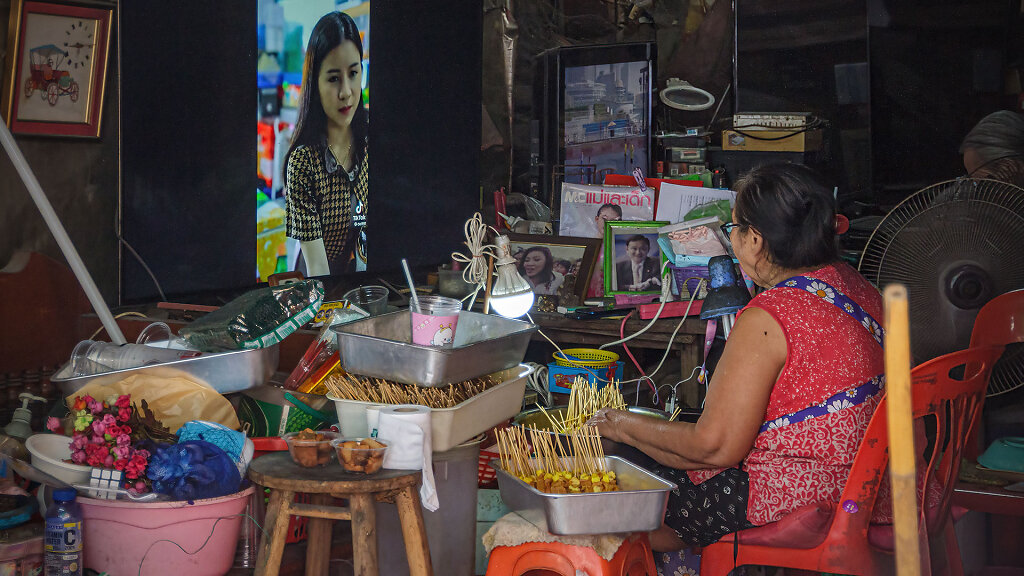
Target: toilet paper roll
{"x":372,"y":420}
{"x":405,"y":428}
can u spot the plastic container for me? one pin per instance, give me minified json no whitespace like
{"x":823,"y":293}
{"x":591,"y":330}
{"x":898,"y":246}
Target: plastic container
{"x":435,"y":320}
{"x":311,"y":453}
{"x":451,"y":426}
{"x":358,"y":456}
{"x":63,"y":556}
{"x":49,"y":452}
{"x":197,"y":538}
{"x":90,"y":357}
{"x":373,"y":299}
{"x":451,"y":529}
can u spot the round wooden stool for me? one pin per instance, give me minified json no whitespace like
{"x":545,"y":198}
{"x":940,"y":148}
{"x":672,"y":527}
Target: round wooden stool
{"x":284,"y":477}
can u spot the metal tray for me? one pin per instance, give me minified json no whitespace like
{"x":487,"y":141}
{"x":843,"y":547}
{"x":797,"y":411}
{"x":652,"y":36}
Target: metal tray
{"x":226,"y":372}
{"x":450,"y":427}
{"x":382,"y":347}
{"x":639,"y":506}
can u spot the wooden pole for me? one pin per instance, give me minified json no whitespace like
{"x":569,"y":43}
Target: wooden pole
{"x":900,"y":416}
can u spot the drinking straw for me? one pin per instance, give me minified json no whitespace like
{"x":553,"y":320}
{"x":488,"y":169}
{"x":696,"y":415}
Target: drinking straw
{"x":412,"y":287}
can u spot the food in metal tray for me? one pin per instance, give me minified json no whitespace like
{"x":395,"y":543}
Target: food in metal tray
{"x":585,"y":398}
{"x":552,"y":470}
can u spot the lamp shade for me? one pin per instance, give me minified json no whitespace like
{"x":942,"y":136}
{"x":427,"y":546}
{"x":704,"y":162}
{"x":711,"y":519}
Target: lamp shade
{"x":728,"y":293}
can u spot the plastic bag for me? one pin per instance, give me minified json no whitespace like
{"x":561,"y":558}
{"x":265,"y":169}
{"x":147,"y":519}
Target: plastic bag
{"x":719,"y":209}
{"x":256,"y":319}
{"x":174,"y":401}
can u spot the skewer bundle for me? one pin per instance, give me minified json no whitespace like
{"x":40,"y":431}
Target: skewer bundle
{"x":551,"y":470}
{"x":585,"y":398}
{"x":378,"y":391}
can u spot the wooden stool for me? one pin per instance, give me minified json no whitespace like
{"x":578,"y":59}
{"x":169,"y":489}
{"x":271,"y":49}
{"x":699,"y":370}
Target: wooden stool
{"x":279,"y":473}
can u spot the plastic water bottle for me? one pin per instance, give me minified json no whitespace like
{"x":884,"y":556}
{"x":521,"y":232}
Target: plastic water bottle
{"x":64,"y":535}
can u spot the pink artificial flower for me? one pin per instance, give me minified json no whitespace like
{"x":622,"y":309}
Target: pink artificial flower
{"x":122,"y":452}
{"x":94,"y":405}
{"x":94,"y":439}
{"x":79,"y":442}
{"x":78,"y":457}
{"x":108,"y":461}
{"x":54,"y":425}
{"x":99,"y":428}
{"x":123,"y":440}
{"x":144,"y":454}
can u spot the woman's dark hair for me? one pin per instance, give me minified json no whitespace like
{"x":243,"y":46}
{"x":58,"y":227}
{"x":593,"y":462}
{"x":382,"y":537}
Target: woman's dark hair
{"x":615,"y":207}
{"x":330,"y":31}
{"x":546,"y":275}
{"x":793,"y":209}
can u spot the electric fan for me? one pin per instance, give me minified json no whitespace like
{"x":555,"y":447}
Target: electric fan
{"x":955,"y":246}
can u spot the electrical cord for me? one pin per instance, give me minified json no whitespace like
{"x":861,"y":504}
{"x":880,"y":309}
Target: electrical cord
{"x":121,"y":315}
{"x":538,"y":382}
{"x":476,"y":271}
{"x":142,"y":262}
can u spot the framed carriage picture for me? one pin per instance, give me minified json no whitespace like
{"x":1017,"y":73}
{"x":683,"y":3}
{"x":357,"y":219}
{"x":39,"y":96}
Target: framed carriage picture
{"x":55,"y":69}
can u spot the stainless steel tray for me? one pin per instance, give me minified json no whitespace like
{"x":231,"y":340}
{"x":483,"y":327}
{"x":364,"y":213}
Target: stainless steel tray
{"x":638,"y":506}
{"x":382,"y":347}
{"x":226,"y":372}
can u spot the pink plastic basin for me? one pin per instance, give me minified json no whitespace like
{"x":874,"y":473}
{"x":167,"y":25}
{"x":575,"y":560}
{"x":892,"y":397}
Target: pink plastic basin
{"x":125,"y":538}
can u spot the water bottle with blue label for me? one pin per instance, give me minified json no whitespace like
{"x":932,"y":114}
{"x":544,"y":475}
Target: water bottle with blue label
{"x":64,"y":535}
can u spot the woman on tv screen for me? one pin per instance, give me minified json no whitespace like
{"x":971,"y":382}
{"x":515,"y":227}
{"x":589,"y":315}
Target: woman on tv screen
{"x":327,"y":171}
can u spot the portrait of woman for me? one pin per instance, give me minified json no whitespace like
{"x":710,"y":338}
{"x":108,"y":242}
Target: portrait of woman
{"x":538,"y":269}
{"x":327,"y":166}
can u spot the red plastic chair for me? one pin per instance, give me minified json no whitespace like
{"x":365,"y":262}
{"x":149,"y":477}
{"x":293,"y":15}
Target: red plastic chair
{"x":1000,"y":321}
{"x":633,"y":558}
{"x":840,"y":539}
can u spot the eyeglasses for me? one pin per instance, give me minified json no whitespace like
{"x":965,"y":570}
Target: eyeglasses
{"x":728,"y":228}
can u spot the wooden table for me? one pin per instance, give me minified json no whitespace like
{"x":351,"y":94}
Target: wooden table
{"x":280,"y":473}
{"x":593,"y":333}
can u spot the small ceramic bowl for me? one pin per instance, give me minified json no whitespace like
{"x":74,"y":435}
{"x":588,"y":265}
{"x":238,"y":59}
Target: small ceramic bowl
{"x":1005,"y":454}
{"x":312,"y":452}
{"x":360,"y":455}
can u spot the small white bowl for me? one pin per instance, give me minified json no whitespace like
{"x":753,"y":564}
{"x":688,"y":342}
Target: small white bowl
{"x":49,"y":452}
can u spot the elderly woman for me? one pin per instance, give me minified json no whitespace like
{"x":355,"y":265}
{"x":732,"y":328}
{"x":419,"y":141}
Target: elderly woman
{"x":994,"y":148}
{"x":797,"y":382}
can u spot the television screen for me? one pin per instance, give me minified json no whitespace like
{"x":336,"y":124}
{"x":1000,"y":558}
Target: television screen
{"x":188,"y":162}
{"x":605,"y":116}
{"x":593,"y":113}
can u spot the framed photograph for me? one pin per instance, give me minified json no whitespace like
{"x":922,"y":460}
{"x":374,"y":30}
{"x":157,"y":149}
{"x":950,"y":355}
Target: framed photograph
{"x":549,"y":262}
{"x":632,"y":259}
{"x":56,"y":69}
{"x":698,"y":238}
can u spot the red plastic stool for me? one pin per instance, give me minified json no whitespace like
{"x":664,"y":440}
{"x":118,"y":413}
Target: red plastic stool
{"x":633,"y":558}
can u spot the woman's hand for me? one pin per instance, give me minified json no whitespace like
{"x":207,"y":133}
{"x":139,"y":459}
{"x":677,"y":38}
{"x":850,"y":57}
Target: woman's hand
{"x":607,"y":421}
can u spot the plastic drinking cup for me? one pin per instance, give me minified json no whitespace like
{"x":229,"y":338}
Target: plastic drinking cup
{"x":373,"y":299}
{"x":91,"y":357}
{"x":434,"y":321}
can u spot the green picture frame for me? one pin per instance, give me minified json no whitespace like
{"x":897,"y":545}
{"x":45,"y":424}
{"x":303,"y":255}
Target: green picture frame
{"x":618,"y":261}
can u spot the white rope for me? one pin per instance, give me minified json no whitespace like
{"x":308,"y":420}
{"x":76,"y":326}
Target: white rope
{"x":475,"y":271}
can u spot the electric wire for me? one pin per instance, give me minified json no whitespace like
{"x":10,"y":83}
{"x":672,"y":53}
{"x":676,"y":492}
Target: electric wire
{"x":138,"y":257}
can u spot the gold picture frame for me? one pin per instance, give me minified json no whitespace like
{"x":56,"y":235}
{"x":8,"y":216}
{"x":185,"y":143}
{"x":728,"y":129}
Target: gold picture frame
{"x":55,"y":71}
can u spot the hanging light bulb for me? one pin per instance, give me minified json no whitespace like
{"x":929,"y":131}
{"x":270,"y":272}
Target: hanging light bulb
{"x":511,"y":295}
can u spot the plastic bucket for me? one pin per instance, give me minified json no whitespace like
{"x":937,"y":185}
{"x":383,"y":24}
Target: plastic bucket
{"x":124,"y":538}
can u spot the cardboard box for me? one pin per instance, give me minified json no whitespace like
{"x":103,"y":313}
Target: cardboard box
{"x":772,"y":140}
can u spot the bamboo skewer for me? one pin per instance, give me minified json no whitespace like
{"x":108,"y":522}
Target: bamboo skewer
{"x":377,"y":391}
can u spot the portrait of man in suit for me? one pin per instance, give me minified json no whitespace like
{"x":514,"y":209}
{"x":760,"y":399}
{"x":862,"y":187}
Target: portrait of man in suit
{"x":635,"y":271}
